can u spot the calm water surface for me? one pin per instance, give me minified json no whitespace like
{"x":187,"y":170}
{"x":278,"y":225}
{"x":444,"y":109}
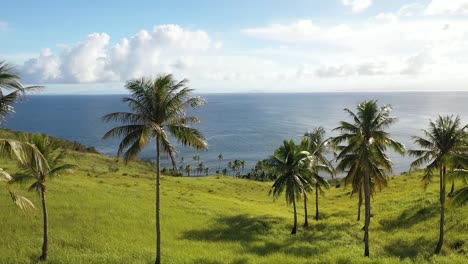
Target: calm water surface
{"x":240,"y":126}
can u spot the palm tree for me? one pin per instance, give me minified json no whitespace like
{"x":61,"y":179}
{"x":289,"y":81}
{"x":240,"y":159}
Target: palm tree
{"x":158,"y":109}
{"x":242,"y":165}
{"x":316,"y":143}
{"x":10,"y":81}
{"x":23,"y":152}
{"x":220,"y":158}
{"x":200,"y":168}
{"x":442,"y":145}
{"x":224,"y":171}
{"x":289,"y":163}
{"x":56,"y":166}
{"x":460,"y":197}
{"x":364,"y":157}
{"x":207,"y":171}
{"x":231,"y":165}
{"x":188,"y":169}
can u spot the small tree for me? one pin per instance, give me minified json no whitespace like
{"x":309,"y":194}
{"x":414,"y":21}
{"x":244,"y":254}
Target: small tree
{"x":56,"y":165}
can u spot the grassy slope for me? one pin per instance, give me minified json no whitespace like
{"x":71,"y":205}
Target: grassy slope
{"x":97,"y":216}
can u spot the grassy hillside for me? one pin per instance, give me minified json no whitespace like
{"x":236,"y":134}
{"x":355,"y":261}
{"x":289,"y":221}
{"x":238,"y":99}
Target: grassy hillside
{"x":103,"y":212}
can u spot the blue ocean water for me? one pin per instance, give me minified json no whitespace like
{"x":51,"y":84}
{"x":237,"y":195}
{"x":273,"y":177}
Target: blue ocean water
{"x":240,"y":126}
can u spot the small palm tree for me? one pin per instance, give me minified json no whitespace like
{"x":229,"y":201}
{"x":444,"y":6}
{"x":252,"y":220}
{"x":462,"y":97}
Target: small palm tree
{"x":56,"y":166}
{"x":220,"y":158}
{"x":289,"y":163}
{"x":444,"y":143}
{"x":158,"y":110}
{"x":364,"y":157}
{"x":460,"y":197}
{"x":318,"y":146}
{"x":188,"y":169}
{"x":200,"y":168}
{"x":207,"y":171}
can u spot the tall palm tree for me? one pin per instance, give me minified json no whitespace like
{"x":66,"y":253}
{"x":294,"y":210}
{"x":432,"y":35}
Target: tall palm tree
{"x":442,"y":145}
{"x":158,"y":109}
{"x":318,"y":146}
{"x":56,"y":166}
{"x":289,"y":163}
{"x":364,"y":157}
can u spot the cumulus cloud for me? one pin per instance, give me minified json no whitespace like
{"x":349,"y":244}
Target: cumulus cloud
{"x":357,"y":5}
{"x":165,"y":48}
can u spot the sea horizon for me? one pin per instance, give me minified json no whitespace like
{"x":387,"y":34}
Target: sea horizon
{"x":244,"y":126}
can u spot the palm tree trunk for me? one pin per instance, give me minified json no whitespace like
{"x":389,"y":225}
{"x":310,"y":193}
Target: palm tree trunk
{"x":295,"y":217}
{"x":45,"y":243}
{"x":442,"y":210}
{"x":306,"y":218}
{"x":367,"y":213}
{"x":158,"y":205}
{"x":359,"y":205}
{"x":316,"y":202}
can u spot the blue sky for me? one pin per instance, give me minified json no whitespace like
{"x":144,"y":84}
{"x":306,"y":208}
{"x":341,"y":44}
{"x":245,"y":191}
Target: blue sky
{"x":239,"y":46}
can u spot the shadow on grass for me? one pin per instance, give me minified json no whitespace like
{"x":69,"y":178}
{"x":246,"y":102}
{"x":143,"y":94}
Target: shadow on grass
{"x":409,"y":217}
{"x":409,"y":249}
{"x":234,"y":228}
{"x":252,"y":232}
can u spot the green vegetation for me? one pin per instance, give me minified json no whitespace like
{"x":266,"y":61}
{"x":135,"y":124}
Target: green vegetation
{"x":54,"y":157}
{"x":158,"y":111}
{"x":444,"y":149}
{"x":103,"y":212}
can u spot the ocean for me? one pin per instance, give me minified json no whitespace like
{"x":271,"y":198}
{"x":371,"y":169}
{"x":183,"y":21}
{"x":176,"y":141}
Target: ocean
{"x":239,"y":126}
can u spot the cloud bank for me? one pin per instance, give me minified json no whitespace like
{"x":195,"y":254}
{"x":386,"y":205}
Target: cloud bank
{"x":412,"y":48}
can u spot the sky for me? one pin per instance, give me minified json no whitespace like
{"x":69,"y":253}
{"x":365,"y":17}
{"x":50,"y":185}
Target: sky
{"x":93,"y":47}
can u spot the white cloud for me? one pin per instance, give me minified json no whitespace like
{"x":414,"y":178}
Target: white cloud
{"x":165,"y":48}
{"x":441,"y":7}
{"x":357,"y":5}
{"x":404,"y":49}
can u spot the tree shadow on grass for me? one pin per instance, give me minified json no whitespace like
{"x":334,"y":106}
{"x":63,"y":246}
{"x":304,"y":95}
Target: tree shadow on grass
{"x":409,"y":249}
{"x":242,"y":228}
{"x":409,"y":217}
{"x":251,"y":233}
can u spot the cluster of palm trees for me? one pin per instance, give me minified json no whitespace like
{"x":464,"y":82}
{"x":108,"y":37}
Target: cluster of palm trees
{"x":361,"y":155}
{"x":236,"y":167}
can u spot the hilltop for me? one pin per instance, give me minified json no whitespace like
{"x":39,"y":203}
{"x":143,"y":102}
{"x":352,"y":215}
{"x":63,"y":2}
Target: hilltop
{"x":103,"y":212}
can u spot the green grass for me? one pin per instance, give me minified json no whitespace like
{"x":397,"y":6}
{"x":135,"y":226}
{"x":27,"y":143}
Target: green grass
{"x":103,"y":212}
